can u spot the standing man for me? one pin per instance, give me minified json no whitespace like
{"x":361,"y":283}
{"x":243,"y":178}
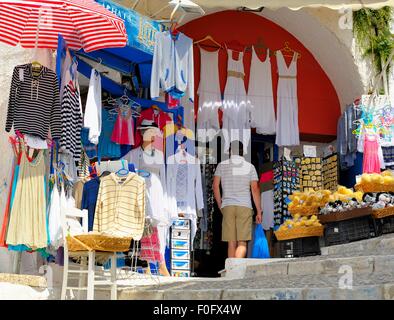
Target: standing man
{"x":238,"y":178}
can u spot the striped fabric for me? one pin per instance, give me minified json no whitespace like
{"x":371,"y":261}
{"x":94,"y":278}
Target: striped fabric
{"x":83,"y":24}
{"x":70,"y":141}
{"x":120,"y":208}
{"x":34,"y":104}
{"x":236,"y":174}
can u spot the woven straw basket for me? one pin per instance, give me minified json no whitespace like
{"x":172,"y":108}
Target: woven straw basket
{"x":304,"y":211}
{"x":90,"y":242}
{"x":382,"y":213}
{"x":374,"y":187}
{"x":300,"y":232}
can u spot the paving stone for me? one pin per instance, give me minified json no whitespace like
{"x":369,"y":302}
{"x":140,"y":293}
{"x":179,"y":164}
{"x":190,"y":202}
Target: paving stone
{"x":262,"y":294}
{"x":384,"y":263}
{"x":267,"y":270}
{"x":211,"y":294}
{"x":373,"y":292}
{"x":386,"y":245}
{"x":332,"y":266}
{"x":388,"y":291}
{"x":141,"y":295}
{"x":318,"y":294}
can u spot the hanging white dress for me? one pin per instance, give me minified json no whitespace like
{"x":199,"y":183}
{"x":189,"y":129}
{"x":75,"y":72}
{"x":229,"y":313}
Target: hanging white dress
{"x":260,"y":95}
{"x":209,"y":95}
{"x":55,"y":223}
{"x":287,"y":132}
{"x":235,"y":107}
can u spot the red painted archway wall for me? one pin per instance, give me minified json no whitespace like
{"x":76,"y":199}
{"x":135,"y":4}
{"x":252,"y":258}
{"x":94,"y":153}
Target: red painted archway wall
{"x":319,"y":107}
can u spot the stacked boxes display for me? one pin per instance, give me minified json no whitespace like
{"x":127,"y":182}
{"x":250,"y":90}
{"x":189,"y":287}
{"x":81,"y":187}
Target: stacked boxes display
{"x":319,"y":173}
{"x":181,"y":248}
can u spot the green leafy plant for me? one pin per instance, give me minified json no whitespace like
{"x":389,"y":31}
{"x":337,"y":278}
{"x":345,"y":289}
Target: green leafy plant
{"x":372,"y":32}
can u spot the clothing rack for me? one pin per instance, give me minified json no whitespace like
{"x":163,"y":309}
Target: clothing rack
{"x":117,"y":90}
{"x":246,"y":47}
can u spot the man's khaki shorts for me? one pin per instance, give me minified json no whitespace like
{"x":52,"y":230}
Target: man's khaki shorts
{"x":237,"y":223}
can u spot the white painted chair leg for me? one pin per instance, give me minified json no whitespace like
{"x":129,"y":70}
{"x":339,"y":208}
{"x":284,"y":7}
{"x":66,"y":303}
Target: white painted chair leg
{"x":114,"y":288}
{"x":65,"y":279}
{"x":91,"y":267}
{"x":82,"y":277}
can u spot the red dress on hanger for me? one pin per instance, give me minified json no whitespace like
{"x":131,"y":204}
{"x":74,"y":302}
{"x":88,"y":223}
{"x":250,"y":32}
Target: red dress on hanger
{"x":371,"y":162}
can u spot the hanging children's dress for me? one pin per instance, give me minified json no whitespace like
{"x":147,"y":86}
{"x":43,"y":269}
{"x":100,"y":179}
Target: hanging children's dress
{"x":28,"y":220}
{"x":107,"y":148}
{"x":260,"y":95}
{"x":150,"y":247}
{"x":287,"y":132}
{"x":235,"y":111}
{"x":123,"y":132}
{"x":11,"y":192}
{"x":209,"y":95}
{"x":371,"y":162}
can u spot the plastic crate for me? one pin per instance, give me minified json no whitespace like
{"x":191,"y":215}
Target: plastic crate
{"x":346,"y":231}
{"x":384,"y":225}
{"x":301,"y":247}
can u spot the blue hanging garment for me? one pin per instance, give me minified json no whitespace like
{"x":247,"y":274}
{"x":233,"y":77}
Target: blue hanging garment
{"x":260,"y":245}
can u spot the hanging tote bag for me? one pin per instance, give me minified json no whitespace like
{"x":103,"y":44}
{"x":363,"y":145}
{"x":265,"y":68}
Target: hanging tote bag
{"x":260,"y":245}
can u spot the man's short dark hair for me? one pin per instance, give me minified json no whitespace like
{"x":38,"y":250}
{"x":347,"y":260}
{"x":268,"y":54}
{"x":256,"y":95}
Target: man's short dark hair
{"x":236,"y":148}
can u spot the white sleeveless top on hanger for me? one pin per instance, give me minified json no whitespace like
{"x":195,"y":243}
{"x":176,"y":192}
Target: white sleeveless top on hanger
{"x":260,"y":95}
{"x":210,"y":98}
{"x":287,"y":131}
{"x":235,"y":110}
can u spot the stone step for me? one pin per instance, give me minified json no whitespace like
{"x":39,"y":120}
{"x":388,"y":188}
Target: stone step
{"x":378,"y":245}
{"x":317,"y":265}
{"x":309,"y":287}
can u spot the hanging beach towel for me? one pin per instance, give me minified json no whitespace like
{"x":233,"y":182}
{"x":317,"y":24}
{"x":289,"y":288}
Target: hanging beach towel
{"x":260,"y":245}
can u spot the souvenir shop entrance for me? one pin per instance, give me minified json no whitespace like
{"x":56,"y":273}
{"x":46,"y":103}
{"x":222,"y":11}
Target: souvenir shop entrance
{"x":134,"y":137}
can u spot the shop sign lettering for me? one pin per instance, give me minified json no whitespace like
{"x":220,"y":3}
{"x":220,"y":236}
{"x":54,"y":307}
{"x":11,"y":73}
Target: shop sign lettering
{"x":140,"y":30}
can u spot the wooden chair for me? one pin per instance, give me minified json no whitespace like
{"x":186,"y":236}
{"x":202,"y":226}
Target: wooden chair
{"x":86,"y":268}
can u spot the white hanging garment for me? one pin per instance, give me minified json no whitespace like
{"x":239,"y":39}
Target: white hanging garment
{"x":188,"y":114}
{"x":55,"y":222}
{"x":35,"y":142}
{"x":260,"y":95}
{"x":92,"y":119}
{"x":287,"y":132}
{"x":235,"y":110}
{"x":209,"y":96}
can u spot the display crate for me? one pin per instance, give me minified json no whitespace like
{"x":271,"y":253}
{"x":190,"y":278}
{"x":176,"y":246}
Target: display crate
{"x":301,"y":247}
{"x":384,"y":225}
{"x":340,"y":232}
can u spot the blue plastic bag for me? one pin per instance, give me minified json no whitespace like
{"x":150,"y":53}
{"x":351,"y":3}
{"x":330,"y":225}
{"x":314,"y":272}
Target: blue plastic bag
{"x":260,"y":245}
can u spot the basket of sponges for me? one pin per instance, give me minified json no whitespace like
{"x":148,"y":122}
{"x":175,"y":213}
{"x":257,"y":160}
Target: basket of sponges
{"x":300,"y":227}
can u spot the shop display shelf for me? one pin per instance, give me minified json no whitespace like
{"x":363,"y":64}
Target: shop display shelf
{"x":301,"y":247}
{"x":346,"y":231}
{"x":346,"y":215}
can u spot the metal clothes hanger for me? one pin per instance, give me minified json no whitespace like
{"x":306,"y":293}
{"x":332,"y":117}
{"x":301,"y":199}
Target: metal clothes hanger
{"x":124,"y":99}
{"x":288,"y":51}
{"x":135,"y":108}
{"x":209,"y":38}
